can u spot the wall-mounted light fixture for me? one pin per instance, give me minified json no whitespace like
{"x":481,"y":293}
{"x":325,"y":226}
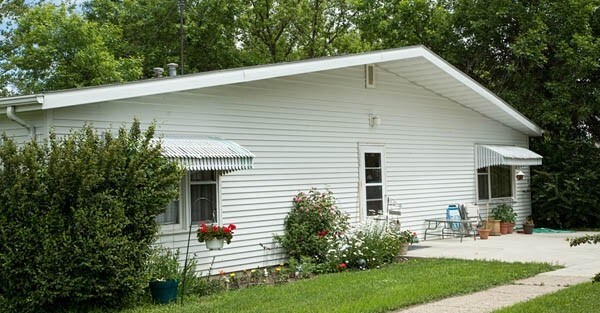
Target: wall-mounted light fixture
{"x":374,"y":120}
{"x":520,"y":175}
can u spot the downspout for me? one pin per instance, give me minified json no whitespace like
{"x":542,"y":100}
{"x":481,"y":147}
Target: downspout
{"x":10,"y":113}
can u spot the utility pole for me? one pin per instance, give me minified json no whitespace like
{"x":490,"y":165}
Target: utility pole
{"x":181,"y":34}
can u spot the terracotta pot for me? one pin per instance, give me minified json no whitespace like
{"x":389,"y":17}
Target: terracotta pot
{"x":504,"y":228}
{"x":494,"y":226}
{"x":483,"y":233}
{"x":511,"y":228}
{"x":528,"y":229}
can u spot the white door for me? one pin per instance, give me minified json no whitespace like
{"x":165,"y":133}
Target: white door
{"x":372,"y":180}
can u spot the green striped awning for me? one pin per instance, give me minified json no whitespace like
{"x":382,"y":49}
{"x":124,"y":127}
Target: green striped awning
{"x":207,"y":154}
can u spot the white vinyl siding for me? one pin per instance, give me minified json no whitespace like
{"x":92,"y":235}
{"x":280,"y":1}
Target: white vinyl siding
{"x":19,"y":133}
{"x":305,"y":132}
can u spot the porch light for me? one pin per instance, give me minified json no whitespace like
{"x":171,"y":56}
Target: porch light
{"x":374,"y":120}
{"x":520,"y":175}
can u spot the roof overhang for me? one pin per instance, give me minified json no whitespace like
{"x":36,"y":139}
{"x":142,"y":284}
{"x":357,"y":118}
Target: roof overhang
{"x":416,"y":64}
{"x":487,"y":155}
{"x":207,"y":154}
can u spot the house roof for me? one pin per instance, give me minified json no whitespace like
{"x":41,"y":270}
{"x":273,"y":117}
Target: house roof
{"x":417,"y":64}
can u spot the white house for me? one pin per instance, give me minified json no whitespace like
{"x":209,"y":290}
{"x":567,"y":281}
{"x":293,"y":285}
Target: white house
{"x":398,"y":124}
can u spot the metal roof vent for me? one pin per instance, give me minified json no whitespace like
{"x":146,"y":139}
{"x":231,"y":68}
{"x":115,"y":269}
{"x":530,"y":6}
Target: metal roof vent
{"x":158,"y":72}
{"x":172,"y":69}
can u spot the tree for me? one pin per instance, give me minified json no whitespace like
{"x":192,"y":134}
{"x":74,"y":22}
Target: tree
{"x":325,"y":27}
{"x":542,"y":57}
{"x":151,"y":31}
{"x":398,"y":23}
{"x":274,"y":31}
{"x":51,"y":47}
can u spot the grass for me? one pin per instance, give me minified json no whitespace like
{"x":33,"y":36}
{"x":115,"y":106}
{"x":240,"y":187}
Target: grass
{"x":392,"y":287}
{"x":582,"y":298}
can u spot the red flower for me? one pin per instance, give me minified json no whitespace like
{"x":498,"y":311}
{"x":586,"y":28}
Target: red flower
{"x":203,"y":228}
{"x":342,"y":265}
{"x":209,"y":232}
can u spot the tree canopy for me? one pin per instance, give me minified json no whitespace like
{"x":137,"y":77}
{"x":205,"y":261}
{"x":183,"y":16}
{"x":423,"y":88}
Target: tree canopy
{"x":541,"y":56}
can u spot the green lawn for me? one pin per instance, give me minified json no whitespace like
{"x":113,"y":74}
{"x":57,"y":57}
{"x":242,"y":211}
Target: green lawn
{"x":582,"y":298}
{"x":392,"y":287}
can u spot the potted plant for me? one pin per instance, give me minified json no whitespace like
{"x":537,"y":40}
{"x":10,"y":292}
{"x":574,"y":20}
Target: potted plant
{"x":406,"y":237}
{"x":507,"y":216}
{"x":528,"y":226}
{"x":162,"y":268}
{"x":484,"y":232}
{"x":215,"y":235}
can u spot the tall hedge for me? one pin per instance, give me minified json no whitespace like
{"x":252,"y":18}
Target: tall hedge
{"x":565,"y":188}
{"x":77,"y":217}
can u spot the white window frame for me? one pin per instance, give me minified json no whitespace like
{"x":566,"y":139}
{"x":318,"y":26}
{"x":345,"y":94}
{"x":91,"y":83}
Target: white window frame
{"x":185,"y":204}
{"x":513,"y":188}
{"x":371,"y":148}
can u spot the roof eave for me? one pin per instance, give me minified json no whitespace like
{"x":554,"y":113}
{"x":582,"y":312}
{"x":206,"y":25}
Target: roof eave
{"x":24,"y":103}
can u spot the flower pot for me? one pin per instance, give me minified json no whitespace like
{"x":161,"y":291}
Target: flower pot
{"x":528,"y":229}
{"x":403,"y":248}
{"x":215,"y":244}
{"x":504,"y":228}
{"x":164,"y":292}
{"x":511,"y":228}
{"x":494,"y":226}
{"x":483,"y":233}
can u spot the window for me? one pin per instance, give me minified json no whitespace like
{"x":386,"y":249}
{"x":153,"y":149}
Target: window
{"x":372,"y":178}
{"x":203,"y":196}
{"x":198,"y":201}
{"x":495,"y":182}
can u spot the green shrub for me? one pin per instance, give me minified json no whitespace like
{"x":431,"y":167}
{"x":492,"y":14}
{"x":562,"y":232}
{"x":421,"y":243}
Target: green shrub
{"x":163,"y":264}
{"x":313,"y":216}
{"x":78,"y":218}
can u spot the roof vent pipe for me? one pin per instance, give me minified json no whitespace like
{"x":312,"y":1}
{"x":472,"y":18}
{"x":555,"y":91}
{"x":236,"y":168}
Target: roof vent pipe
{"x":158,"y":72}
{"x":10,"y":113}
{"x":172,"y":69}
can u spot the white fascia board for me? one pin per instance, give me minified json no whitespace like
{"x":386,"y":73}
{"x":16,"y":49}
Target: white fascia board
{"x":22,"y":100}
{"x":73,"y":97}
{"x":534,"y":129}
{"x":138,"y":89}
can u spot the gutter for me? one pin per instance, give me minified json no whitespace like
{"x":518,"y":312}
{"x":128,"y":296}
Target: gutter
{"x":10,"y":113}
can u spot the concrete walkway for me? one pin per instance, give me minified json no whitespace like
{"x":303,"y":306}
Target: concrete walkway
{"x":581,"y":264}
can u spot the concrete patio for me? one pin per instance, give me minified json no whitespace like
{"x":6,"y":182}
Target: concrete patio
{"x":580,"y":263}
